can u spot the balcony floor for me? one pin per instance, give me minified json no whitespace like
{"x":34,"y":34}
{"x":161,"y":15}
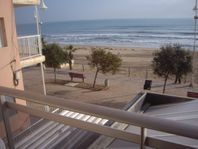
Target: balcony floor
{"x":31,"y":61}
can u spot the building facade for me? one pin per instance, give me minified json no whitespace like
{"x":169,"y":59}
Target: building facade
{"x":16,"y":53}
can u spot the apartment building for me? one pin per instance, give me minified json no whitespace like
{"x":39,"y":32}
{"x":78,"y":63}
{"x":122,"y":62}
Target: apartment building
{"x":16,"y":53}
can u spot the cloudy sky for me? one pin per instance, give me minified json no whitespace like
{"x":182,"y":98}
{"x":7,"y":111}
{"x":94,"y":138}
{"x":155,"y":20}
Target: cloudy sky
{"x":64,"y":10}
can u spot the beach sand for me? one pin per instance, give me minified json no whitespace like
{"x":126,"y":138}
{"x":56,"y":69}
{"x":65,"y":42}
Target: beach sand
{"x":124,"y":85}
{"x":131,"y":56}
{"x":135,"y":60}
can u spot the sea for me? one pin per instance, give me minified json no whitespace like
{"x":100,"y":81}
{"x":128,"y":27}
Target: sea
{"x":145,"y":33}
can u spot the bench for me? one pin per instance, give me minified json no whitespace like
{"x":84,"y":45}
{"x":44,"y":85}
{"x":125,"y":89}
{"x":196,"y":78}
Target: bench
{"x":192,"y":94}
{"x":76,"y":75}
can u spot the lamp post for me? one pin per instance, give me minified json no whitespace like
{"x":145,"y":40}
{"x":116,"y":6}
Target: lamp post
{"x":195,"y":9}
{"x":43,"y":5}
{"x":38,"y":28}
{"x":37,"y":16}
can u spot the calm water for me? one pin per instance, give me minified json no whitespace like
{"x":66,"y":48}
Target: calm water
{"x":130,"y":33}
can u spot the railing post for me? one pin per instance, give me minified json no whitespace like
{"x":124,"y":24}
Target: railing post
{"x":143,"y":137}
{"x":39,"y":44}
{"x":29,"y":50}
{"x":146,"y":74}
{"x":25,"y":48}
{"x":43,"y":78}
{"x":129,"y":71}
{"x":42,"y":70}
{"x":83,"y":67}
{"x":5,"y":117}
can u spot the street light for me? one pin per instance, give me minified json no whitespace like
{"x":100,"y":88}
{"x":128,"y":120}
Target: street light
{"x":43,"y":5}
{"x":37,"y":16}
{"x":38,"y":28}
{"x":195,"y":9}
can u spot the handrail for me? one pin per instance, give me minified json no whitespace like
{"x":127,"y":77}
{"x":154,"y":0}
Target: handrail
{"x":33,"y":56}
{"x":76,"y":123}
{"x":104,"y":130}
{"x":164,"y":125}
{"x":28,"y":36}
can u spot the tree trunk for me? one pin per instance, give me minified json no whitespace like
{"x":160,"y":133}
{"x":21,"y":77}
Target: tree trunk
{"x":185,"y":79}
{"x":55,"y":75}
{"x":166,"y":78}
{"x":176,"y":79}
{"x":95,"y":78}
{"x":70,"y":64}
{"x":179,"y":80}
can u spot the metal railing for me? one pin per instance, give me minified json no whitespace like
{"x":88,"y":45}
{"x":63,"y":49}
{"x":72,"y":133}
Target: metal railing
{"x":143,"y":122}
{"x":29,"y":46}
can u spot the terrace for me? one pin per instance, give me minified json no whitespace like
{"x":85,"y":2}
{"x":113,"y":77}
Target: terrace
{"x":108,"y":121}
{"x":30,"y":50}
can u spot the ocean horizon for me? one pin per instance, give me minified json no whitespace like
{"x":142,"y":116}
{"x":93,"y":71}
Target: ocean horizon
{"x":145,"y":33}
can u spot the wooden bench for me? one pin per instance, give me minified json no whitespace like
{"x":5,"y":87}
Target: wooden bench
{"x":192,"y":94}
{"x":76,"y":75}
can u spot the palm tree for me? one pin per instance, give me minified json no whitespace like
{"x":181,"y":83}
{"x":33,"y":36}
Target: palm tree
{"x":69,"y":53}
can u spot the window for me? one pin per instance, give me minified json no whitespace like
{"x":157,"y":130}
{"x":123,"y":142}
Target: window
{"x":2,"y":34}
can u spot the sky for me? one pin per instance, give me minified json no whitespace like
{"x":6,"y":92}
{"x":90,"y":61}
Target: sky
{"x":66,"y":10}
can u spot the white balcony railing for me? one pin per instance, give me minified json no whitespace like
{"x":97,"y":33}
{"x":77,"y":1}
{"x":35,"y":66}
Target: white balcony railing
{"x":29,"y":46}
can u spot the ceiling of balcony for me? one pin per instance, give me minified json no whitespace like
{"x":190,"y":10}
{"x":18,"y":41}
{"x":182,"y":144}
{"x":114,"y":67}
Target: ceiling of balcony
{"x":20,"y":3}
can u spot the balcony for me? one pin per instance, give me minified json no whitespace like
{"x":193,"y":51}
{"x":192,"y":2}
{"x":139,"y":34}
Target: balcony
{"x":64,"y":121}
{"x":19,"y":3}
{"x":30,"y":50}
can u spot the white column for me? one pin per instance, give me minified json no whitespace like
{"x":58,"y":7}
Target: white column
{"x":40,"y":50}
{"x":194,"y":44}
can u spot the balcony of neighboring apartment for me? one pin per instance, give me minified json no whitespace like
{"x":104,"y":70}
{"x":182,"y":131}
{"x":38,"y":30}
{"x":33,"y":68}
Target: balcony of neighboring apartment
{"x":25,"y":2}
{"x":30,"y":50}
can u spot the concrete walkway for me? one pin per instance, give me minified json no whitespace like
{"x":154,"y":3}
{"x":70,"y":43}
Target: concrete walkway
{"x":122,"y":88}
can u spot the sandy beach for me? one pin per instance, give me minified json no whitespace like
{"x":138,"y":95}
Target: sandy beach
{"x":124,"y":85}
{"x":135,"y":60}
{"x":139,"y":57}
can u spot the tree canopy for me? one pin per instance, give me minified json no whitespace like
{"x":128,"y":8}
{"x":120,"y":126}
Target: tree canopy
{"x":69,"y":54}
{"x":163,"y":61}
{"x":104,"y":61}
{"x":171,"y":60}
{"x":54,"y":56}
{"x":183,"y":63}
